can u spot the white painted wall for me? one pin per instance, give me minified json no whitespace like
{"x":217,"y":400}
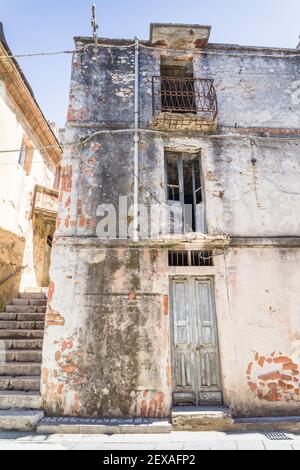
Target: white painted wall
{"x":16,"y":187}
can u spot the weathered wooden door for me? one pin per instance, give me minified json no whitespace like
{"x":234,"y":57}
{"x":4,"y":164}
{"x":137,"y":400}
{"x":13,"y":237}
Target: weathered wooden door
{"x":196,"y":367}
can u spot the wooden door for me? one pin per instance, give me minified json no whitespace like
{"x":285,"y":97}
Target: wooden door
{"x":196,"y":368}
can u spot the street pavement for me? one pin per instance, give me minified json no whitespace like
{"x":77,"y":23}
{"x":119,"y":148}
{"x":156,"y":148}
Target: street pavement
{"x":177,"y":441}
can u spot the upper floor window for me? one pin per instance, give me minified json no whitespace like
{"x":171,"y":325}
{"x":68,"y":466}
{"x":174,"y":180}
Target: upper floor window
{"x":26,"y":155}
{"x":177,"y":87}
{"x":185,"y":188}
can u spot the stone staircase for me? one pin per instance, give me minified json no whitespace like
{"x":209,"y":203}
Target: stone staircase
{"x":21,"y":342}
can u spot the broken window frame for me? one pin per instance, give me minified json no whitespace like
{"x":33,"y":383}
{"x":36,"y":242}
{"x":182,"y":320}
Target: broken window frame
{"x":26,"y":155}
{"x":178,"y":86}
{"x":180,"y":157}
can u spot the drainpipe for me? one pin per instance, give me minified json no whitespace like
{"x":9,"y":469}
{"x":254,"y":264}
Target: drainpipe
{"x":136,"y":145}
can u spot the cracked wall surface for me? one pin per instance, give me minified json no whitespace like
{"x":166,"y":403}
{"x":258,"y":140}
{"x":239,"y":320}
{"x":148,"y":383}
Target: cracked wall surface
{"x":107,"y":350}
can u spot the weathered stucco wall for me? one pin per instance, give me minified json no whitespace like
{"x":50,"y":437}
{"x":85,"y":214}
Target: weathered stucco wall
{"x":16,"y":198}
{"x":254,"y":88}
{"x":107,"y":348}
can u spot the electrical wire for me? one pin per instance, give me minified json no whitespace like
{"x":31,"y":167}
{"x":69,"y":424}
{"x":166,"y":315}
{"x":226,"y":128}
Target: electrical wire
{"x":35,"y":54}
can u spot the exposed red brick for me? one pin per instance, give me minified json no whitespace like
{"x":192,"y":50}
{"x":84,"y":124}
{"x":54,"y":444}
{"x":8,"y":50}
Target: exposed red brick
{"x":290,"y":366}
{"x":68,"y":202}
{"x":271,"y":376}
{"x":54,"y":318}
{"x":66,"y":178}
{"x":282,"y":384}
{"x":57,"y":356}
{"x":252,"y":386}
{"x":261,"y":361}
{"x":132,"y":296}
{"x":287,"y":378}
{"x":249,"y":368}
{"x":166,"y":304}
{"x":144,"y":409}
{"x":272,"y":386}
{"x":51,"y":291}
{"x":280,"y":360}
{"x":168,"y":373}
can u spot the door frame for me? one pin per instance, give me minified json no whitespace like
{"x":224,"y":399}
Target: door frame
{"x":211,"y":279}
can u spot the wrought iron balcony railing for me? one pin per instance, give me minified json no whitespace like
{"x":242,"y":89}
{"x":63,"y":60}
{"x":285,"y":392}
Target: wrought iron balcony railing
{"x":184,"y":95}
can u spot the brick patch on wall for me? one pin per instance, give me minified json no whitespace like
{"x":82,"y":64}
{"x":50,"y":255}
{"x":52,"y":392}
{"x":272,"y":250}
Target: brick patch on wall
{"x":274,"y":378}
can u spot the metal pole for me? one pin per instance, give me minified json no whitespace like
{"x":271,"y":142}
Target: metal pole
{"x":136,"y":145}
{"x":94,"y":24}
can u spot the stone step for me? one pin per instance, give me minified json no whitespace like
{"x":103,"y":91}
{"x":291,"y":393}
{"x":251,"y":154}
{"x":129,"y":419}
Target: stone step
{"x":27,"y":302}
{"x":265,"y":424}
{"x":15,"y":369}
{"x":14,"y":400}
{"x":7,"y":316}
{"x":23,"y":356}
{"x":20,"y":383}
{"x":104,"y":426}
{"x":32,"y":295}
{"x":21,"y":344}
{"x":202,"y":419}
{"x":20,"y":420}
{"x":24,"y":309}
{"x":21,"y":334}
{"x":21,"y":325}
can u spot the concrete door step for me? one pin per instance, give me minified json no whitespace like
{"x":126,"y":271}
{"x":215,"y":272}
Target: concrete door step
{"x":20,"y":420}
{"x":10,"y":399}
{"x":221,"y":419}
{"x":278,"y":423}
{"x":201,"y":418}
{"x":105,"y":426}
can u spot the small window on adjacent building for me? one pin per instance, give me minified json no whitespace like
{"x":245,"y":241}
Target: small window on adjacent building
{"x":26,"y":155}
{"x":184,"y":186}
{"x":192,"y":258}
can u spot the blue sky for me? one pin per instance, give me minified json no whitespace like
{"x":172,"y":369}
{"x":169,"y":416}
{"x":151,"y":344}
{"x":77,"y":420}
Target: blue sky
{"x":49,"y":25}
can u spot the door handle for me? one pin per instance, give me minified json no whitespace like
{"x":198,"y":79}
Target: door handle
{"x":200,"y":348}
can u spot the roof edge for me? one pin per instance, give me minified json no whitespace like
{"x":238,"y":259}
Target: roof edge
{"x":5,"y":45}
{"x":211,"y":46}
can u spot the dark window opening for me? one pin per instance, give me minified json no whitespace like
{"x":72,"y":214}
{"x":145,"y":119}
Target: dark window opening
{"x":184,"y":185}
{"x":178,"y":258}
{"x":49,"y":241}
{"x":173,"y":179}
{"x":177,"y":87}
{"x":191,"y":258}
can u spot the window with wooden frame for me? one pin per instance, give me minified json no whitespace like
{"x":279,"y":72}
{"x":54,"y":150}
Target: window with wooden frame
{"x":185,"y":188}
{"x":26,"y":155}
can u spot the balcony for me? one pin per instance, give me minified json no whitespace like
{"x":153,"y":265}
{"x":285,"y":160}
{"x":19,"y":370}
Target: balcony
{"x":45,"y":203}
{"x":184,"y":103}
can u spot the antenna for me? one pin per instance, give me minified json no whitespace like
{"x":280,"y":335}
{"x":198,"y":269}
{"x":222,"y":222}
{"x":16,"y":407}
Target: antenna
{"x":94,"y":24}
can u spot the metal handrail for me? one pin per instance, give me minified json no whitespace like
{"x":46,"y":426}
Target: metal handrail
{"x":16,"y":272}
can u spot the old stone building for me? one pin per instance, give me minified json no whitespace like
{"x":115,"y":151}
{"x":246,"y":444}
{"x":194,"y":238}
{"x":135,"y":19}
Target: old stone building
{"x":30,"y":158}
{"x":175,"y":269}
{"x":30,"y":161}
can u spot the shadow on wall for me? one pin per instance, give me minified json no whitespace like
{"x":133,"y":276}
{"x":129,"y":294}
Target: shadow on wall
{"x":12,"y":250}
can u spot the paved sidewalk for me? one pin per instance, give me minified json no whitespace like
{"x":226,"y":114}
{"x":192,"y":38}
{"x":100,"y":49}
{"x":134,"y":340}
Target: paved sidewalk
{"x":174,"y":441}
